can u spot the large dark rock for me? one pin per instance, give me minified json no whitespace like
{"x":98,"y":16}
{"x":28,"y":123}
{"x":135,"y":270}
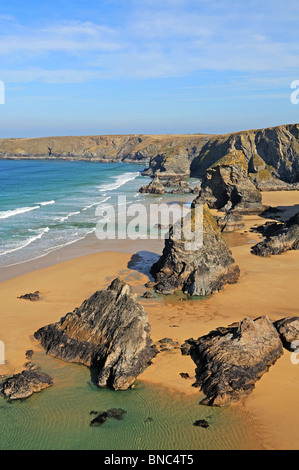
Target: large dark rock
{"x":226,"y":186}
{"x":26,"y":383}
{"x":154,"y":187}
{"x":282,"y":237}
{"x":110,"y":331}
{"x":201,"y":271}
{"x":100,"y":419}
{"x":288,"y":329}
{"x":231,"y":360}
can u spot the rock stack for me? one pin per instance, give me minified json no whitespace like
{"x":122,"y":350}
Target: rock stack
{"x":200,"y":271}
{"x":109,"y":331}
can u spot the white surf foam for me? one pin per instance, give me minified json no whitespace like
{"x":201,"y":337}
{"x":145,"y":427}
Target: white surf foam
{"x":46,"y":203}
{"x":62,"y":219}
{"x":120,"y":180}
{"x":96,"y":203}
{"x":40,"y":233}
{"x":19,"y":210}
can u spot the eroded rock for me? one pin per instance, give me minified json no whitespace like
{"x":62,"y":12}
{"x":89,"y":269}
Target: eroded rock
{"x":154,"y":187}
{"x":288,"y":329}
{"x":200,"y":271}
{"x":24,"y":384}
{"x":33,"y":296}
{"x":283,"y":238}
{"x":226,"y":186}
{"x":109,"y":331}
{"x":231,"y":360}
{"x":231,"y":222}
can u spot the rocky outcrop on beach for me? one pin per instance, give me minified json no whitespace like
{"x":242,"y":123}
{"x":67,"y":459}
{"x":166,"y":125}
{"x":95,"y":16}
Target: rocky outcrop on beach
{"x":176,"y":182}
{"x":288,"y":329}
{"x":231,"y":360}
{"x":33,"y":296}
{"x":281,"y":237}
{"x":226,"y":186}
{"x":182,"y":189}
{"x":24,"y":384}
{"x":200,"y":270}
{"x":109,"y":331}
{"x":230,"y":222}
{"x":154,"y":187}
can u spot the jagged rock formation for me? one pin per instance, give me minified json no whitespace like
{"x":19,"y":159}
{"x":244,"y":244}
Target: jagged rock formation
{"x":178,"y":186}
{"x":200,"y":271}
{"x":267,"y":229}
{"x":33,"y":296}
{"x":226,"y":186}
{"x":273,"y":151}
{"x":231,"y":360}
{"x":174,"y":158}
{"x":176,"y":182}
{"x":281,"y":238}
{"x":182,"y":189}
{"x":288,"y":329}
{"x":26,"y":383}
{"x":109,"y":331}
{"x":154,"y":187}
{"x":230,"y":222}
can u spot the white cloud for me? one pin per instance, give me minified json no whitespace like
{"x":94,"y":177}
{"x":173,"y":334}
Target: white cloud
{"x":158,"y":39}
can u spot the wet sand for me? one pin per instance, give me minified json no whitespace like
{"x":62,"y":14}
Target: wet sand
{"x":267,"y":286}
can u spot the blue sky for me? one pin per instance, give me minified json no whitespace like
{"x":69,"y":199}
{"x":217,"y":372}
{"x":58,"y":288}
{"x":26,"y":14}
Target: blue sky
{"x":169,"y":66}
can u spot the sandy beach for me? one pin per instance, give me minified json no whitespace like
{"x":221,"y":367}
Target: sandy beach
{"x":267,"y":286}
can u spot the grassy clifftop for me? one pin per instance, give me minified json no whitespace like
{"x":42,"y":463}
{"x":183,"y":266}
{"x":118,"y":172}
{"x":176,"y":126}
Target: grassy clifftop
{"x":102,"y":147}
{"x":275,"y":149}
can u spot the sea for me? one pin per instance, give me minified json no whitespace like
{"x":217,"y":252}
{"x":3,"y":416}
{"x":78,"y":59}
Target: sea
{"x":48,"y":204}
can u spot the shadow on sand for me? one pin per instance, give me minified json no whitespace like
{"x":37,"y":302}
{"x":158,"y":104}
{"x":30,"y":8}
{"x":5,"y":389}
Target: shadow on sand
{"x":142,"y":262}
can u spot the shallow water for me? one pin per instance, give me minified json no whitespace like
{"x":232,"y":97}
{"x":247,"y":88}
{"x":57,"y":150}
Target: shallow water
{"x":59,"y":417}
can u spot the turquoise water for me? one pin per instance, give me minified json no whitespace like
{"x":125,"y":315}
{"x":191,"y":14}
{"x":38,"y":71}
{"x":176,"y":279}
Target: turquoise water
{"x":46,"y":205}
{"x":59,"y":417}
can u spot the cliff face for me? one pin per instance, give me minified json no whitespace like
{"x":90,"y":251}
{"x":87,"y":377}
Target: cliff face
{"x":271,"y":153}
{"x":164,"y":153}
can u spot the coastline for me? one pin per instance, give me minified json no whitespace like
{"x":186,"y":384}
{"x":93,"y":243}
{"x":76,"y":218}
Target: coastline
{"x":65,"y":278}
